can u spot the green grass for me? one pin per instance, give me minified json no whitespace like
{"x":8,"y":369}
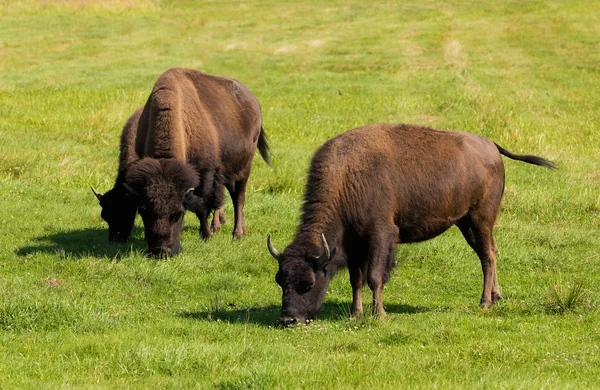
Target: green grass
{"x":78,"y":311}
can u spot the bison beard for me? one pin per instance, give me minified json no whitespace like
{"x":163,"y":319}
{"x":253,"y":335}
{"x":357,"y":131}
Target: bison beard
{"x":374,"y":187}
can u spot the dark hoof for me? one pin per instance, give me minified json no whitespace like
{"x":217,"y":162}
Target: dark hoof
{"x":485,"y":304}
{"x":496,"y":297}
{"x":237,"y":235}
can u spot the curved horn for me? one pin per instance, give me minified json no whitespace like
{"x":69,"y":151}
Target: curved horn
{"x":190,"y":191}
{"x":98,"y":195}
{"x":131,"y":190}
{"x":324,"y":258}
{"x":274,"y":252}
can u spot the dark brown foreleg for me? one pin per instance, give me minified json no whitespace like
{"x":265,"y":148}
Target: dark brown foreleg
{"x":356,"y":281}
{"x":378,"y":262}
{"x":205,"y":232}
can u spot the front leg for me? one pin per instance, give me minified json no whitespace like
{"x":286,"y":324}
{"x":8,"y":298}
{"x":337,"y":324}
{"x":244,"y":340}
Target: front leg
{"x":356,"y":281}
{"x":205,"y":232}
{"x":381,"y":247}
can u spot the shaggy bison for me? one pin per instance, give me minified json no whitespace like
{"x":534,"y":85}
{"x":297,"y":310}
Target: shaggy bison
{"x":373,"y":187}
{"x":195,"y":135}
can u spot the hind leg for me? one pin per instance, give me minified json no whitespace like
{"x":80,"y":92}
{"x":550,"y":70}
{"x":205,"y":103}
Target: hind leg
{"x":238,"y":196}
{"x":218,"y":220}
{"x":478,"y":231}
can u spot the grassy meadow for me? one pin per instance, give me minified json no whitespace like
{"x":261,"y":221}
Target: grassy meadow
{"x":78,"y":311}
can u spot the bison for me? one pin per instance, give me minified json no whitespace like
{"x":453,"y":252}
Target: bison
{"x":374,"y":187}
{"x":195,"y":135}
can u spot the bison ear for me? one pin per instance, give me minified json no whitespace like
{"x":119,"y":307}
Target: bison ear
{"x":191,"y":202}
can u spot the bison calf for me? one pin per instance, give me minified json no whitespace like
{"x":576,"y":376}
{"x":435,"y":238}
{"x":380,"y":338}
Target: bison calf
{"x":196,"y":135}
{"x":373,"y":187}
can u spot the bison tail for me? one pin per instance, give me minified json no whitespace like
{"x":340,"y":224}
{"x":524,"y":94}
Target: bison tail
{"x":263,"y":146}
{"x":535,"y":160}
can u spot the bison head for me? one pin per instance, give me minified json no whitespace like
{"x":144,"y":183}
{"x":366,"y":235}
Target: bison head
{"x":118,"y":210}
{"x":160,"y":188}
{"x":303,"y":277}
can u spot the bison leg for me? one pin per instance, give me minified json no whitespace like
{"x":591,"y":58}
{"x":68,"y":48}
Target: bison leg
{"x":218,"y":219}
{"x":205,"y":232}
{"x":356,"y":281}
{"x":478,"y":234}
{"x":378,"y":263}
{"x":238,"y":196}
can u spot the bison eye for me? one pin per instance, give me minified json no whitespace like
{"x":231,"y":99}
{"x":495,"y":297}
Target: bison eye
{"x":304,"y":287}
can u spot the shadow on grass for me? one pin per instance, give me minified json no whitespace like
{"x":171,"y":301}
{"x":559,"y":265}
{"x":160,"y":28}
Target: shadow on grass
{"x":83,"y":243}
{"x":268,"y":315}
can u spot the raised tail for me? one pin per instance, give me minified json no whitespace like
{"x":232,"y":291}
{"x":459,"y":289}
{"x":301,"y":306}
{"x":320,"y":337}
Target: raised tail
{"x":263,"y":146}
{"x":535,"y":160}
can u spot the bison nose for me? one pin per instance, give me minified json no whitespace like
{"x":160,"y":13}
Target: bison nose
{"x":160,"y":252}
{"x":288,"y":321}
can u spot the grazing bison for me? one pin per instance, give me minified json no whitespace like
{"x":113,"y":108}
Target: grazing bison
{"x":373,"y":187}
{"x":195,"y":135}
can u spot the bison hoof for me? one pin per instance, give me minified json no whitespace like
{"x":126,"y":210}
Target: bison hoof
{"x":356,"y":315}
{"x":381,"y":314}
{"x":496,"y":297}
{"x":240,"y":233}
{"x":485,"y":304}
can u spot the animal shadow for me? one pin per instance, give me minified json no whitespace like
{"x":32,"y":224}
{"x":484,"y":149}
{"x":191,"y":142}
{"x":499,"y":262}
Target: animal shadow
{"x":268,"y":315}
{"x":259,"y":315}
{"x":77,"y":244}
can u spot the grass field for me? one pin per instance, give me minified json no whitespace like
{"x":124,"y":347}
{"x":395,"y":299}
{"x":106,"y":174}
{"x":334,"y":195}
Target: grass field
{"x":77,"y":311}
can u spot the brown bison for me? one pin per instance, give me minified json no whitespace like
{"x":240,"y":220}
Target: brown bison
{"x":373,"y":187}
{"x":195,"y":135}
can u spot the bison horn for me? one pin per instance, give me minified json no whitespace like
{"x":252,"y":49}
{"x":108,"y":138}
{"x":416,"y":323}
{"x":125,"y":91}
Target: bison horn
{"x":324,"y":258}
{"x":98,"y":195}
{"x":130,"y":189}
{"x":190,"y":191}
{"x":274,"y":252}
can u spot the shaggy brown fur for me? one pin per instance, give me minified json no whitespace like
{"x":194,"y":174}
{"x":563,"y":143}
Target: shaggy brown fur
{"x":373,"y":187}
{"x":212,"y":127}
